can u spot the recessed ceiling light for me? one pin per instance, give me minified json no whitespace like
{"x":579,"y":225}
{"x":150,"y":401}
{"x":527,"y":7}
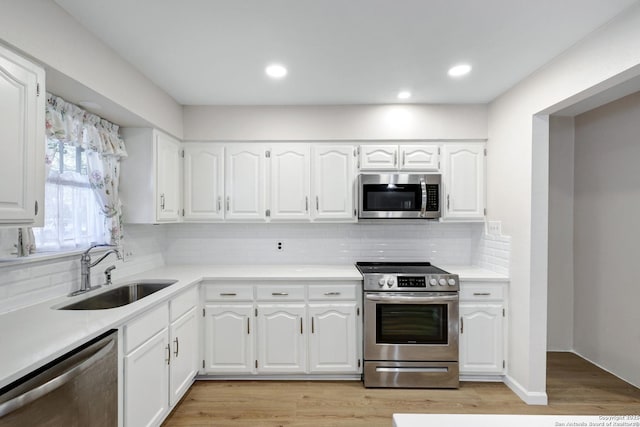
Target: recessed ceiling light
{"x":404,"y":94}
{"x":459,"y":70}
{"x":276,"y":71}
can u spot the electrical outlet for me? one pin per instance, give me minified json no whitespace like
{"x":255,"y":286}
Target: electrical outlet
{"x":494,"y":228}
{"x":128,"y":256}
{"x":279,"y":246}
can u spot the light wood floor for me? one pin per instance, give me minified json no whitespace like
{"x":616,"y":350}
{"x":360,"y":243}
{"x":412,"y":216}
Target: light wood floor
{"x":574,"y":387}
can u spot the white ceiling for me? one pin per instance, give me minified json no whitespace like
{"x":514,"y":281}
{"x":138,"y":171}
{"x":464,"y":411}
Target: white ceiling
{"x":213,"y":52}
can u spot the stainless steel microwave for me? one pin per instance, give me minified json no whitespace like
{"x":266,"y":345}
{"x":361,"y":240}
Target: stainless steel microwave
{"x":399,"y":196}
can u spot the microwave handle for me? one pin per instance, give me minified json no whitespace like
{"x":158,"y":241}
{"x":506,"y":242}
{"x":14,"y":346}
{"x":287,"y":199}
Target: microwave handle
{"x":423,"y":186}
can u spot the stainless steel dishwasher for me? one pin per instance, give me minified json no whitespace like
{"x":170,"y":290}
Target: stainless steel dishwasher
{"x":77,"y":389}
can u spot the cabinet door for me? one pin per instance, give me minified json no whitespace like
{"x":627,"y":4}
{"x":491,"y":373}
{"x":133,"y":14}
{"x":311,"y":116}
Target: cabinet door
{"x":146,"y":379}
{"x":21,"y":140}
{"x":333,"y":182}
{"x":184,"y":355}
{"x":203,"y":181}
{"x":378,"y":157}
{"x":167,"y":178}
{"x":290,"y":181}
{"x":245,"y":185}
{"x":419,"y":157}
{"x":464,"y":181}
{"x":228,"y":339}
{"x":281,"y":338}
{"x":481,"y":339}
{"x":333,"y":341}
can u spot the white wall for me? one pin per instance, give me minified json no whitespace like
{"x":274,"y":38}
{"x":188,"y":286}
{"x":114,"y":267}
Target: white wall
{"x":607,"y":236}
{"x":43,"y":30}
{"x":358,"y":122}
{"x":560,"y":294}
{"x":517,"y":178}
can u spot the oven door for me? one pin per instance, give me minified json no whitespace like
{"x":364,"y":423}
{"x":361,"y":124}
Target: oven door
{"x":399,"y":196}
{"x":403,"y":326}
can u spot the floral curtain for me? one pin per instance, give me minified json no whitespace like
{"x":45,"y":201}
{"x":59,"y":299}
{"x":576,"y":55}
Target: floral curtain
{"x":104,"y":148}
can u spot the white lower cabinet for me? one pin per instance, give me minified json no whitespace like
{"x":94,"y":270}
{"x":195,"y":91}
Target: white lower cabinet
{"x":160,"y":359}
{"x":291,"y":329}
{"x":482,"y":330}
{"x":281,"y":338}
{"x":229,"y":338}
{"x":146,"y":382}
{"x":333,"y":342}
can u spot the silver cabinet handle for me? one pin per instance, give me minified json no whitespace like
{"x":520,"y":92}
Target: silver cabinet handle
{"x":481,"y":294}
{"x":168,"y":359}
{"x":219,"y":203}
{"x":162,"y":201}
{"x":227,"y":203}
{"x":447,"y":202}
{"x":317,"y":203}
{"x":279,"y":294}
{"x":462,"y":325}
{"x":36,"y":208}
{"x":332,"y":294}
{"x":313,"y":328}
{"x":301,"y":326}
{"x":56,"y":382}
{"x":248,"y":326}
{"x":175,"y":353}
{"x":306,"y":203}
{"x":228,"y":294}
{"x":423,"y":187}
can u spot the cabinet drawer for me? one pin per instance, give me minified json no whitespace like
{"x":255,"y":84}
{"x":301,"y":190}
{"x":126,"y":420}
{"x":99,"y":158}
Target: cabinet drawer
{"x":144,"y":327}
{"x":333,"y":292}
{"x":183,"y":303}
{"x":280,"y":292}
{"x":228,"y":293}
{"x":481,"y":292}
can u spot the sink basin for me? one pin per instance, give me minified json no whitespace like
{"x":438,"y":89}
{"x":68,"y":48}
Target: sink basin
{"x":122,"y":295}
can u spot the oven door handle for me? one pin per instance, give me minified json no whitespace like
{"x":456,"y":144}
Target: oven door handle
{"x":411,"y":298}
{"x":423,"y":187}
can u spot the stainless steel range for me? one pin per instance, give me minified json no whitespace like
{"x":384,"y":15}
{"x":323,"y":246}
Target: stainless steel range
{"x":410,"y":325}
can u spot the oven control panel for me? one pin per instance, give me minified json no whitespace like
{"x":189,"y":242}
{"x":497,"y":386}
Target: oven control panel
{"x":399,"y":282}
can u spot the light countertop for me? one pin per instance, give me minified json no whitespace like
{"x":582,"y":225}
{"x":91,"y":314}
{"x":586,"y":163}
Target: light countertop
{"x":35,"y":335}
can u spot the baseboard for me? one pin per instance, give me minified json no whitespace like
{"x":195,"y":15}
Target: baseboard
{"x":528,"y":397}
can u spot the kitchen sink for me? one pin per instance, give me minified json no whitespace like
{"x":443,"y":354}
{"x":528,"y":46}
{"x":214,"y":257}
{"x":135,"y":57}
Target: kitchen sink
{"x":122,"y":295}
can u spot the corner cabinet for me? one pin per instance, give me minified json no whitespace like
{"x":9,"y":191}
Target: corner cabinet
{"x":160,"y":359}
{"x":150,"y":177}
{"x":282,"y":330}
{"x":482,"y":330}
{"x":22,"y":151}
{"x":464,"y":181}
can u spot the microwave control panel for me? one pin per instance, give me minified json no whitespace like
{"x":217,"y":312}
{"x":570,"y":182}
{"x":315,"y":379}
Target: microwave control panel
{"x":433,"y":199}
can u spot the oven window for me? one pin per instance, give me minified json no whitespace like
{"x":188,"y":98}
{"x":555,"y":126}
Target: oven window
{"x":411,"y":324}
{"x":390,"y":197}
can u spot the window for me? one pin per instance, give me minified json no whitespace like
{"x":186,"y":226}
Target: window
{"x":72,"y":214}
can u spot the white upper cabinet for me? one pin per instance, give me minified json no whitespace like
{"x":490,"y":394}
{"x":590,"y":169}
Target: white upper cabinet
{"x":22,"y":107}
{"x":290,"y":173}
{"x":419,"y":157}
{"x":245,"y":182}
{"x":378,"y":157}
{"x":463,"y":176}
{"x":150,"y":177}
{"x":203,"y":181}
{"x":409,"y":157}
{"x":333,"y":168}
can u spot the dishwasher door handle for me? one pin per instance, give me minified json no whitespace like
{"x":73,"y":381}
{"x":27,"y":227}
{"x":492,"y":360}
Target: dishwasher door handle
{"x":57,"y":382}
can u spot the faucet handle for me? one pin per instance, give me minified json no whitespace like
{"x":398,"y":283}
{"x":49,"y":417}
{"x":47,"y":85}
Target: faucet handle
{"x":107,"y":274}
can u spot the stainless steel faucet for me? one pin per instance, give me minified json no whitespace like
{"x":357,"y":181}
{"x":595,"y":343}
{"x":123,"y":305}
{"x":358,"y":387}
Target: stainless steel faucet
{"x":86,"y":265}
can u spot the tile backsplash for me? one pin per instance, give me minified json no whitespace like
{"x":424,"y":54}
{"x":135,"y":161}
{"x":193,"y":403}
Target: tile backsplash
{"x":147,"y":246}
